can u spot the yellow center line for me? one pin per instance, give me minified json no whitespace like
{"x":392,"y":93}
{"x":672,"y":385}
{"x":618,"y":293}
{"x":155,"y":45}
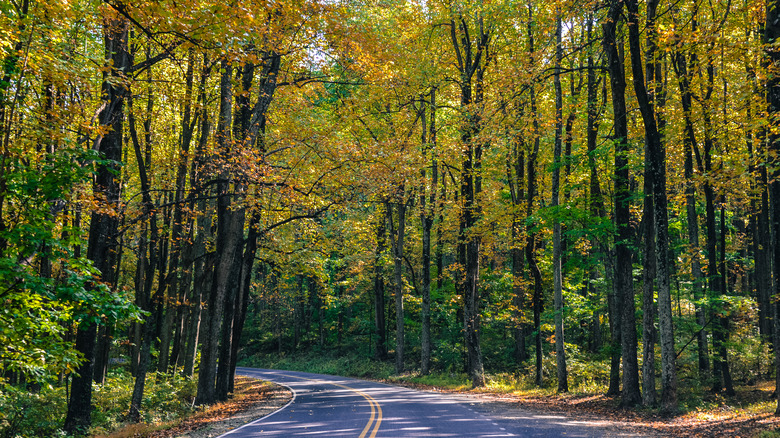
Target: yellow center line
{"x":376,"y":409}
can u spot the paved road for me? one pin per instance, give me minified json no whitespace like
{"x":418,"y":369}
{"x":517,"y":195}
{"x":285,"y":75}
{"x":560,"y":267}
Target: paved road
{"x":331,"y":406}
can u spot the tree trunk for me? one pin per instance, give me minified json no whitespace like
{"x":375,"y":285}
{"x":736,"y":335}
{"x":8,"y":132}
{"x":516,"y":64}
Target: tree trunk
{"x":155,"y":304}
{"x":772,"y":59}
{"x":596,"y":201}
{"x":103,"y":225}
{"x":689,"y":142}
{"x":379,"y":292}
{"x":397,"y":243}
{"x":229,"y":222}
{"x":516,"y":179}
{"x":560,"y":352}
{"x":649,"y":308}
{"x":623,"y":300}
{"x":531,"y":237}
{"x":428,"y":211}
{"x":658,"y":165}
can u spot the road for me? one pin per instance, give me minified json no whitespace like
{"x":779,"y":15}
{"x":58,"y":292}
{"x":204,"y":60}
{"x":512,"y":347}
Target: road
{"x":331,"y":406}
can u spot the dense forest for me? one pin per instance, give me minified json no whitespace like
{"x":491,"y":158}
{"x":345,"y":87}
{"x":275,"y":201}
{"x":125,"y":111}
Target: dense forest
{"x":447,"y":185}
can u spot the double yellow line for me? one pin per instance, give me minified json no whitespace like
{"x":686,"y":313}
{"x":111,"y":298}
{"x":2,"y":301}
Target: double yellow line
{"x":374,"y":421}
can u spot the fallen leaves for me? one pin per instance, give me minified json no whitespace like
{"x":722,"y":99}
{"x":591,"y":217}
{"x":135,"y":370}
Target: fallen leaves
{"x":247,"y":395}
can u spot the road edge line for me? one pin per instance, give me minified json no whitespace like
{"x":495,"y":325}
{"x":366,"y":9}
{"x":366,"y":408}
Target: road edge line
{"x":294,"y":395}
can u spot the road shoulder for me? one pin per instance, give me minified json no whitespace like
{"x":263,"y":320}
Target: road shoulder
{"x":261,"y":400}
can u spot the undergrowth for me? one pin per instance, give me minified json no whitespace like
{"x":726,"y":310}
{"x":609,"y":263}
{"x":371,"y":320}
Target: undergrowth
{"x":40,"y":411}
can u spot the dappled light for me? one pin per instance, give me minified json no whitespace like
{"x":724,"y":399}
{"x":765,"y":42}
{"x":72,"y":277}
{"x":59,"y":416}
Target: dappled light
{"x":574,"y":204}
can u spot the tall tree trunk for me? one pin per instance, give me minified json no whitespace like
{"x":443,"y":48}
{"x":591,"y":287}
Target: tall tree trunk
{"x":531,"y":237}
{"x":203,"y":262}
{"x":560,"y":352}
{"x":515,"y":168}
{"x":428,"y":211}
{"x":721,"y":374}
{"x":176,"y":272}
{"x":657,"y":99}
{"x":379,"y":291}
{"x":228,"y":223}
{"x":772,"y":59}
{"x":759,"y":224}
{"x":104,"y":223}
{"x":596,"y":202}
{"x":649,"y":308}
{"x":470,"y":47}
{"x":663,"y":262}
{"x":623,"y":300}
{"x":397,"y":243}
{"x":689,"y":142}
{"x":154,"y":305}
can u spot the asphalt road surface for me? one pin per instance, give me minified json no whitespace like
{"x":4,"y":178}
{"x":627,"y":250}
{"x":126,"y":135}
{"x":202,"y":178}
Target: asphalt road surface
{"x":331,"y":406}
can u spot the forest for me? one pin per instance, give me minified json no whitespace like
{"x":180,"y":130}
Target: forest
{"x":575,"y":192}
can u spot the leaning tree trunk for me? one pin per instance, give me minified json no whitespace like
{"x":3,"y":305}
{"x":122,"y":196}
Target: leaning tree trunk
{"x":202,"y":268}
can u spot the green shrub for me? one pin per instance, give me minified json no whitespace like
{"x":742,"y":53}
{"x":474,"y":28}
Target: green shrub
{"x":166,"y":398}
{"x":31,"y":414}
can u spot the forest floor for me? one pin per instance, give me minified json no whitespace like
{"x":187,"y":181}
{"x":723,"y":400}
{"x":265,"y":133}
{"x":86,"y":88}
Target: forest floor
{"x":251,"y":400}
{"x":748,"y":414}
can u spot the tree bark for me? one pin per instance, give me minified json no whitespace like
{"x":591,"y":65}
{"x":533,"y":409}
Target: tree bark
{"x":379,"y":291}
{"x":650,"y":311}
{"x":595,"y":201}
{"x":228,"y":223}
{"x":772,"y":60}
{"x":623,"y":301}
{"x":397,"y":243}
{"x":104,"y":225}
{"x":560,"y":352}
{"x":663,"y":262}
{"x":689,"y":142}
{"x":515,"y":168}
{"x":428,"y":212}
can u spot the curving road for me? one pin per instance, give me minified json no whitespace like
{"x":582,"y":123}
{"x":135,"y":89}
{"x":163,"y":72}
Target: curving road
{"x":331,"y":406}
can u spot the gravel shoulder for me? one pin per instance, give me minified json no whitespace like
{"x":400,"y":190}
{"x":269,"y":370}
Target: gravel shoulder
{"x":254,"y":400}
{"x":277,"y":397}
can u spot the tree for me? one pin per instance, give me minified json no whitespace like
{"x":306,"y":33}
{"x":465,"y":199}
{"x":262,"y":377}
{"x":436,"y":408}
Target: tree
{"x":658,"y":174}
{"x":560,"y":352}
{"x":104,"y":226}
{"x":771,"y":34}
{"x":624,"y":296}
{"x":471,"y":53}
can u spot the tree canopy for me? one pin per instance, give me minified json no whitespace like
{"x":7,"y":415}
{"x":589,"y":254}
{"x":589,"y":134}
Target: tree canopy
{"x":184,"y":184}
